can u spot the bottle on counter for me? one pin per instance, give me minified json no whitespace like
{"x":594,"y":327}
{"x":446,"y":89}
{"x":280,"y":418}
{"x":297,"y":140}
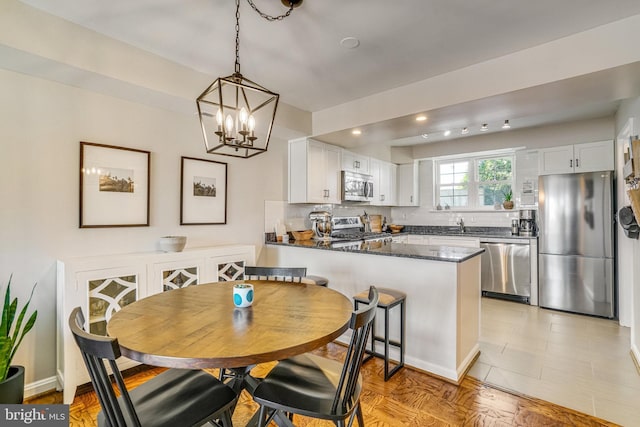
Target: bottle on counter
{"x":385,"y":227}
{"x":515,"y":227}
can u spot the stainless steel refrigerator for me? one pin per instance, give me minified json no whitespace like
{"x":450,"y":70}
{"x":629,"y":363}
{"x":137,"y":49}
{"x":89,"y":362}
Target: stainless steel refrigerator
{"x":576,"y":247}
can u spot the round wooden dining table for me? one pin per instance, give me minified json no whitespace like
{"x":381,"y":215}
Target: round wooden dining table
{"x":199,"y":327}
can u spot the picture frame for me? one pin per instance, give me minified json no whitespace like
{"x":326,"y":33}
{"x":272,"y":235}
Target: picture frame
{"x":203,"y":192}
{"x":114,"y":186}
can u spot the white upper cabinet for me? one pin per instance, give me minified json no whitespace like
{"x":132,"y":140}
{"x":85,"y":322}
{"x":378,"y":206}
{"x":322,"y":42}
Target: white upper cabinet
{"x":314,"y":172}
{"x":408,"y":185}
{"x":355,"y":162}
{"x":384,"y":182}
{"x":589,"y":157}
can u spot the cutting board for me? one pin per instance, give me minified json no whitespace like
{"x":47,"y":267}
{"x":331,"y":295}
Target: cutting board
{"x":376,"y":223}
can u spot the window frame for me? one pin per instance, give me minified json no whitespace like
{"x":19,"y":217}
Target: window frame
{"x":473,"y":182}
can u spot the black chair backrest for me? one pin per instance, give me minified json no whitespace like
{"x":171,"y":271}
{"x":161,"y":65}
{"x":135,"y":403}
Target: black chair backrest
{"x":95,"y":350}
{"x":360,"y":326}
{"x":287,"y":274}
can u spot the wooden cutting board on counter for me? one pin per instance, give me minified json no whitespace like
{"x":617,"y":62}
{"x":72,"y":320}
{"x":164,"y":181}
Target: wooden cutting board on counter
{"x":376,"y":223}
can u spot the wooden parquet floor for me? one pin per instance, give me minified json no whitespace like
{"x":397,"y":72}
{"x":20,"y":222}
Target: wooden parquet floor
{"x":410,"y":398}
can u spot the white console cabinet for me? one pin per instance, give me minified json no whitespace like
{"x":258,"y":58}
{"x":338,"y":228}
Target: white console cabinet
{"x":101,"y":285}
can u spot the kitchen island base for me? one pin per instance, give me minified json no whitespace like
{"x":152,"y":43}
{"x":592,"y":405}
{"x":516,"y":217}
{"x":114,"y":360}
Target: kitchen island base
{"x":442,"y":307}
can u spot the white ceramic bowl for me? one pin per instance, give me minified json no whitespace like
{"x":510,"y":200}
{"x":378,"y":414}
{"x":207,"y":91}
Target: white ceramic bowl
{"x":172,"y":243}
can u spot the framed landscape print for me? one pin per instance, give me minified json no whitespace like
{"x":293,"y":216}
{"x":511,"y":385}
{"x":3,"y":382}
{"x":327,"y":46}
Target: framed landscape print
{"x":114,"y":186}
{"x":203,"y":192}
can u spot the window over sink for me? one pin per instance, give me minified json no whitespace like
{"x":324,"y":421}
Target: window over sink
{"x":473,"y":182}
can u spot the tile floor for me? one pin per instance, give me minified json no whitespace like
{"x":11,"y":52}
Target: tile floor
{"x":579,"y":362}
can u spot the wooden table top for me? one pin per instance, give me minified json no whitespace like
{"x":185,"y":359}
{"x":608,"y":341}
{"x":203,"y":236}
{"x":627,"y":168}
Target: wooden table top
{"x":199,"y":327}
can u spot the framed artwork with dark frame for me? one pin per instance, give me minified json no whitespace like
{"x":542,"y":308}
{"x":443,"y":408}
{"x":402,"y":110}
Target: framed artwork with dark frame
{"x":203,"y":192}
{"x":114,"y":186}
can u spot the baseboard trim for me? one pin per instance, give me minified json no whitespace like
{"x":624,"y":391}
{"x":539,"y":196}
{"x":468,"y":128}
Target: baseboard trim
{"x":635,"y":356}
{"x":39,"y":387}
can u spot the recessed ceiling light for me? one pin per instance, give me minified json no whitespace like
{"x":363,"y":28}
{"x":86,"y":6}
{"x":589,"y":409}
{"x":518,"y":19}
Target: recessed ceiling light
{"x":464,"y":131}
{"x":425,"y":135}
{"x":356,"y":132}
{"x":447,"y":133}
{"x":421,"y":118}
{"x":349,"y":42}
{"x":484,"y":128}
{"x":506,"y":125}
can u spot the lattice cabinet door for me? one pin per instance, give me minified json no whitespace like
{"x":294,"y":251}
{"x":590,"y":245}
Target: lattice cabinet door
{"x":179,"y":278}
{"x":107,"y":291}
{"x":231,"y":270}
{"x":176,"y":275}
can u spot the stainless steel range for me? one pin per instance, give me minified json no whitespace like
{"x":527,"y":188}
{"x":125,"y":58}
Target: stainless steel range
{"x":351,"y":228}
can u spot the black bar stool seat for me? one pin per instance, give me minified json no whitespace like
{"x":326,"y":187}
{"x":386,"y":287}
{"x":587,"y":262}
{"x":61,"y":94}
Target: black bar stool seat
{"x":389,"y":298}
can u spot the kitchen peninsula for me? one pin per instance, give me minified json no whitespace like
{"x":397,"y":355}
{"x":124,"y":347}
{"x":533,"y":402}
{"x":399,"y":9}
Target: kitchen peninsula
{"x":442,"y":284}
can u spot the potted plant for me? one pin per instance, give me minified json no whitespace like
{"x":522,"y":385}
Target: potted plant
{"x":508,"y":203}
{"x":11,"y":336}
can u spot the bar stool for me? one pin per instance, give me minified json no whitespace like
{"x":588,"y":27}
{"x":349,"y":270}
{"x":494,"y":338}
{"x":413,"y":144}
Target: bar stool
{"x":389,"y":298}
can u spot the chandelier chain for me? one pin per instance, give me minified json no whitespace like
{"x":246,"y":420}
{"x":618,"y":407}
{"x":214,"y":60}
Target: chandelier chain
{"x":237,"y":66}
{"x":269,"y":17}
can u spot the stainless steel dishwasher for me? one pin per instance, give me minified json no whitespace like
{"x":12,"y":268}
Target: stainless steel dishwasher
{"x":506,"y":269}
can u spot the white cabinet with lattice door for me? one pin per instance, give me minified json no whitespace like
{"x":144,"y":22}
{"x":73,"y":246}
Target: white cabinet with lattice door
{"x":102,"y":285}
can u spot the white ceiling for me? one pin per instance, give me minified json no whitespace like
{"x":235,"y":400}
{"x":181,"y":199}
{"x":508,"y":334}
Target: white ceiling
{"x":401,"y":42}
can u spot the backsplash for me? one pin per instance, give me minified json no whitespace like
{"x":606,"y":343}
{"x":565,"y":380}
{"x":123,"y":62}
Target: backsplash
{"x":296,"y":216}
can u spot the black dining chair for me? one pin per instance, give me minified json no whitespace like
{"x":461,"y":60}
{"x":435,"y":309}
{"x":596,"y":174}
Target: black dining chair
{"x":176,"y":397}
{"x":317,"y":387}
{"x":286,"y":274}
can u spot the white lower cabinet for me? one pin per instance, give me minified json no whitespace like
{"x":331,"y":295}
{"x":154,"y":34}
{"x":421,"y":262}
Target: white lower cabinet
{"x":423,"y":239}
{"x":400,"y":239}
{"x":454,"y":241}
{"x":101,"y":285}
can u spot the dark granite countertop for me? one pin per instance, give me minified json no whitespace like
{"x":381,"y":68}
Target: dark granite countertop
{"x":403,"y":250}
{"x":474,"y":232}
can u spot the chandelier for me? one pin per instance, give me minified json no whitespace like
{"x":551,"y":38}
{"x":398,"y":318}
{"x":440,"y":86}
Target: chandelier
{"x":237,"y":114}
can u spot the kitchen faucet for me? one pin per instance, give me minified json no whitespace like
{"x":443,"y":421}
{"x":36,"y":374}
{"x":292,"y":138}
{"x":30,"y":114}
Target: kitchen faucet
{"x":460,"y":224}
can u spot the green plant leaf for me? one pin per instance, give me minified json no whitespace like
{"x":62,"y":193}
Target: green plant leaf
{"x":10,"y":341}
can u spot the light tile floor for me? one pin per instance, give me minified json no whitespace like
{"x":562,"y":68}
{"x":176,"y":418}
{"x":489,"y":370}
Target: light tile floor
{"x":576,"y":361}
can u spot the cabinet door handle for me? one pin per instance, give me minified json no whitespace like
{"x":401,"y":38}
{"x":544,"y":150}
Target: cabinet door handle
{"x":570,"y":163}
{"x":411,"y":199}
{"x":577,"y":163}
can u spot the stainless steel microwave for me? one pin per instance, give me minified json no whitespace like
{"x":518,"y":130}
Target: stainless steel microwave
{"x":356,"y":187}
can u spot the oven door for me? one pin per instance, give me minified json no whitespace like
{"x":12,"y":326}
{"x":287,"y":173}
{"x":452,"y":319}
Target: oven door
{"x":356,"y":187}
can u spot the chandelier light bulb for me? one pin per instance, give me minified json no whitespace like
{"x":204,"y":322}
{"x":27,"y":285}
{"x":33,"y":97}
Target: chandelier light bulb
{"x":251,"y":123}
{"x":243,"y":116}
{"x":228,"y":124}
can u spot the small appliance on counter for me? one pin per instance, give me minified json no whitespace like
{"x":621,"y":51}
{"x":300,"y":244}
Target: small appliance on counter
{"x":321,"y":224}
{"x":528,"y":225}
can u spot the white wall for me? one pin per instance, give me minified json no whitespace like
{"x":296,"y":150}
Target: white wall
{"x":629,"y":250}
{"x":43,"y":122}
